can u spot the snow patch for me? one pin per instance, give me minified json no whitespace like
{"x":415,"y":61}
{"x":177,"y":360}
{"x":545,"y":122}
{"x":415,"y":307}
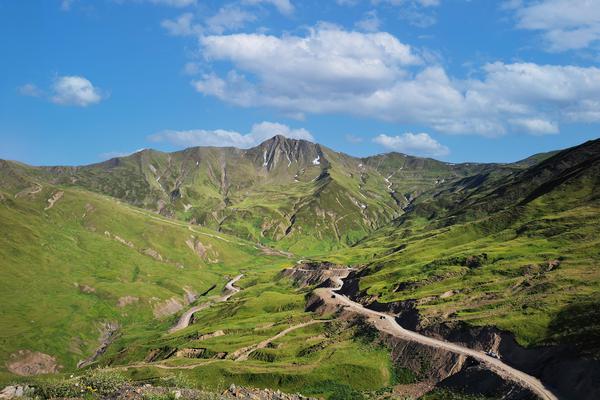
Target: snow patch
{"x":317,"y":161}
{"x":265,"y":163}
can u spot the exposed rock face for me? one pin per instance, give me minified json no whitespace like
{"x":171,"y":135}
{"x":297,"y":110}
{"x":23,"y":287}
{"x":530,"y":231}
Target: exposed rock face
{"x":27,"y":362}
{"x":560,"y":367}
{"x":153,"y":253}
{"x":86,"y":289}
{"x":432,"y":364}
{"x":476,"y":380}
{"x":166,"y":308}
{"x":281,"y":152}
{"x":314,"y":274}
{"x":108,"y":333}
{"x":17,"y":391}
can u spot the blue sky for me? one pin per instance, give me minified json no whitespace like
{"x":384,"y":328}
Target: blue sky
{"x":456,"y":80}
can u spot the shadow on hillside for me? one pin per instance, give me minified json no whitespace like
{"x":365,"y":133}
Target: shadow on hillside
{"x":578,"y":324}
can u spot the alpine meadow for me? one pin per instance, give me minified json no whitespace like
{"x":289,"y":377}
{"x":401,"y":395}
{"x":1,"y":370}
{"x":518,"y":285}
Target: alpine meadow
{"x":423,"y":222}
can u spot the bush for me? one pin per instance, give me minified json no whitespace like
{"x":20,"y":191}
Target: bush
{"x":103,"y":382}
{"x":403,"y":376}
{"x":95,"y":383}
{"x":180,"y":381}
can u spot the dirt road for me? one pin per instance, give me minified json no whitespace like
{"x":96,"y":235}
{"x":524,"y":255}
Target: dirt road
{"x":242,"y":354}
{"x":386,"y":323}
{"x":186,"y":318}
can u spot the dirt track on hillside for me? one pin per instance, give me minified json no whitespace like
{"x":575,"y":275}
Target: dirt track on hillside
{"x":186,"y":318}
{"x":386,"y":323}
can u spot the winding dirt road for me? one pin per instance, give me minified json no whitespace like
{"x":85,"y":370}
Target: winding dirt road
{"x":186,"y":318}
{"x":242,"y":354}
{"x":386,"y":323}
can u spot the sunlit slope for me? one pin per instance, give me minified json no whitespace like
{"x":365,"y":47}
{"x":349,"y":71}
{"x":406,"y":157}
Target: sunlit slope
{"x":320,"y":357}
{"x":520,"y":253}
{"x":88,"y":260}
{"x":293,"y":194}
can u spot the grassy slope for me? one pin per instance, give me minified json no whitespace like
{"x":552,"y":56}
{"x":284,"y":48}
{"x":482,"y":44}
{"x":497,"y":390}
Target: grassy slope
{"x":514,"y":288}
{"x":47,"y":256}
{"x":290,"y":203}
{"x":304,"y":361}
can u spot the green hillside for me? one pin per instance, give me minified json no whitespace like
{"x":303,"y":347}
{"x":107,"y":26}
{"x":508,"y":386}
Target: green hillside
{"x":516,"y":251}
{"x":116,"y":252}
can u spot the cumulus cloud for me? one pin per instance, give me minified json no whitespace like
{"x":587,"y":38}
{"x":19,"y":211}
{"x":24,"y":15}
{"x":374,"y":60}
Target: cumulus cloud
{"x":328,"y":60}
{"x":563,"y":24}
{"x":331,"y":70}
{"x":413,"y":143}
{"x":226,"y":138}
{"x":74,"y":91}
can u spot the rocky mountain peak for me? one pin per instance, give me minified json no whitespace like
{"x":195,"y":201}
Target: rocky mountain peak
{"x":280,"y":151}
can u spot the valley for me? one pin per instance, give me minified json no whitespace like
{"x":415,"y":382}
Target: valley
{"x":292,"y":266}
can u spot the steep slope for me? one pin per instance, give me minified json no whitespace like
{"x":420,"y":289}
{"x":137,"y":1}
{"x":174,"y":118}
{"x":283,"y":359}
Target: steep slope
{"x":292,"y":194}
{"x":518,"y":253}
{"x":79,"y":269}
{"x":301,"y":195}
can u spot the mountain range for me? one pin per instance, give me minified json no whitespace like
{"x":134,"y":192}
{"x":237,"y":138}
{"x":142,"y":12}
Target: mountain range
{"x":484,"y":254}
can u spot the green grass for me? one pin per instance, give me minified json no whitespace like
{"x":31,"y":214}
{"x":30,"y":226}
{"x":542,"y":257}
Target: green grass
{"x":48,"y":258}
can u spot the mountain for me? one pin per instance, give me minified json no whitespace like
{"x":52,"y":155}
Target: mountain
{"x":491,"y":256}
{"x":514,"y":250}
{"x":291,"y":194}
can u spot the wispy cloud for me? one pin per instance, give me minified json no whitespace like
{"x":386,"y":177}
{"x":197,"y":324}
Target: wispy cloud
{"x":30,"y":90}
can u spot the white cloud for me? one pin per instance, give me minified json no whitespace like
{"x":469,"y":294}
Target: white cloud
{"x":229,"y":18}
{"x":328,"y":60}
{"x":536,"y":126}
{"x":564,"y":24}
{"x":283,"y":6}
{"x":225,"y":138}
{"x":181,"y":26}
{"x":75,"y":91}
{"x":330,"y":70}
{"x":30,"y":90}
{"x":413,"y":143}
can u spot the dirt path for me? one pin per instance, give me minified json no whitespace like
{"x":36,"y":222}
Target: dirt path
{"x":386,"y":323}
{"x":186,"y":318}
{"x":242,"y":354}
